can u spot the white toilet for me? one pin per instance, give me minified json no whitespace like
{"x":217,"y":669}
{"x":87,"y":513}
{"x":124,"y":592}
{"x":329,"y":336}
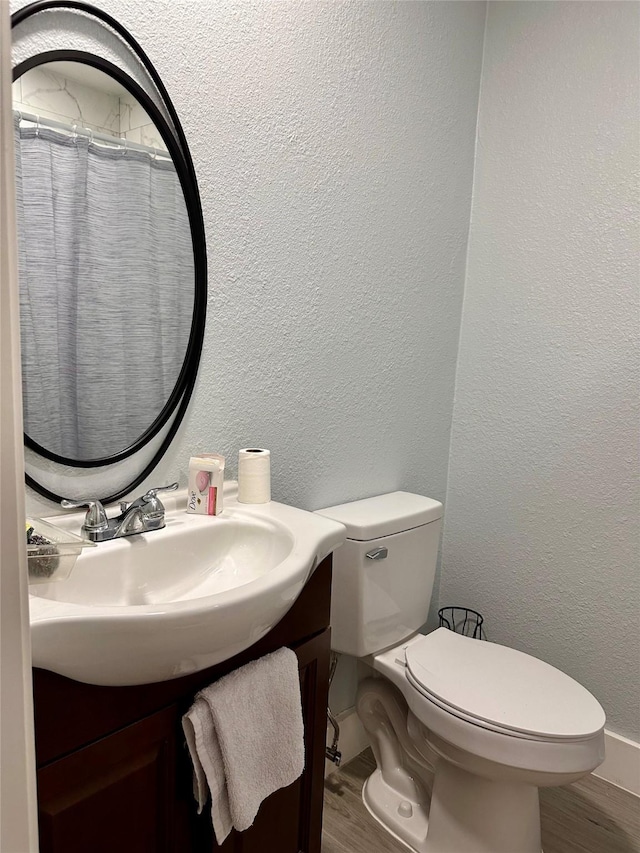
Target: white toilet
{"x":464,"y":732}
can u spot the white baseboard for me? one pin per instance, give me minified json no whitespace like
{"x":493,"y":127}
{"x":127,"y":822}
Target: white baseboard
{"x":353,"y":739}
{"x":621,"y":766}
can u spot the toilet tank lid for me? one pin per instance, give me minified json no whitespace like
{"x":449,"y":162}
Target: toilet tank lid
{"x":384,"y":515}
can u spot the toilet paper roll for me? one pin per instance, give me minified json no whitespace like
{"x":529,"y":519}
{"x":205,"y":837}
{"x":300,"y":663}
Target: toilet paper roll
{"x":254,"y":476}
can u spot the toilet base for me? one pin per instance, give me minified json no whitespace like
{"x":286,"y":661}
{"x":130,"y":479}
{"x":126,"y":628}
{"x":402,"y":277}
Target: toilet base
{"x":467,"y":814}
{"x":405,"y":819}
{"x":424,"y":793}
{"x":470,"y":814}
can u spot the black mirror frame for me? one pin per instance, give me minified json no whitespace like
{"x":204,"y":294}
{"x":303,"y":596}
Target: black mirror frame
{"x":175,"y":140}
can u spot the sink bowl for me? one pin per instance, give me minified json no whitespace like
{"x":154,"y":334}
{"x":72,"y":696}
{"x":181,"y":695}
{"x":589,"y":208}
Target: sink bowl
{"x":160,"y":605}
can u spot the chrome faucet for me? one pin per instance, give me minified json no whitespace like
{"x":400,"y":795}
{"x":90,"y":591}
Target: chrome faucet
{"x":144,"y":514}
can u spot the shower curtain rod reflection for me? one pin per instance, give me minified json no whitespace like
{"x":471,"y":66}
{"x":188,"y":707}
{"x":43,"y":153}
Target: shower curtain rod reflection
{"x":93,"y":135}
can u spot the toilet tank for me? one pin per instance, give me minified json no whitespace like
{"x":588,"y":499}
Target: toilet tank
{"x":383,"y":574}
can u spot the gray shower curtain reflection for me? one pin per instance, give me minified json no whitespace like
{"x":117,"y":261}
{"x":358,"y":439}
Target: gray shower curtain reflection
{"x":106,"y":290}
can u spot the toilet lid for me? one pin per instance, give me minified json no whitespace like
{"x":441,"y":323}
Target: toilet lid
{"x":503,"y":687}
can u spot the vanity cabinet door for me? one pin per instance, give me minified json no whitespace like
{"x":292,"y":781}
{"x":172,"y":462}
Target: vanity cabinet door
{"x":290,"y":820}
{"x":116,"y":795}
{"x":132,"y":792}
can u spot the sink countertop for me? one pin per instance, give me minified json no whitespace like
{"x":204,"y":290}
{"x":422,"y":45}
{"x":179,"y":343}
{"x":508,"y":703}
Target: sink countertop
{"x":157,"y":605}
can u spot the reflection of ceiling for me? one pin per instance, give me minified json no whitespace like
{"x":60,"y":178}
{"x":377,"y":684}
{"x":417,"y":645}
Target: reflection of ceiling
{"x":88,"y":76}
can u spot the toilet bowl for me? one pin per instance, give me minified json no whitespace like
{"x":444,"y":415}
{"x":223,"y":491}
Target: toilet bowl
{"x":463,"y":731}
{"x":500,"y":724}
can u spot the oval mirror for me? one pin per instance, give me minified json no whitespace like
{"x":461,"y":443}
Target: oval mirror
{"x":109,"y":336}
{"x":106,"y":262}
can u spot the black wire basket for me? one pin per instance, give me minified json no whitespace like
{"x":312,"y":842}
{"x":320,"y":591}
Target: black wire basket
{"x":462,"y":620}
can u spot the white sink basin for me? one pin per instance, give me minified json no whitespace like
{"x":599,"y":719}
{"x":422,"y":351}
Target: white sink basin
{"x":159,"y":605}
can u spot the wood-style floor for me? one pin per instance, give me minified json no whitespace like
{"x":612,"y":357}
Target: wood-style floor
{"x":590,"y":816}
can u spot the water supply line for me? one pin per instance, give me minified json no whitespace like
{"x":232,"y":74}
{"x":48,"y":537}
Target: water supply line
{"x":332,"y":752}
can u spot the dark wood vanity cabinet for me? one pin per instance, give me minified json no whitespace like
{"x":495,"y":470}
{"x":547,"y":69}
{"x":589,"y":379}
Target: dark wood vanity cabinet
{"x":114,"y":774}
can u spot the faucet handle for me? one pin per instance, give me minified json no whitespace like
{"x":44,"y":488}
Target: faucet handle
{"x":154,"y":508}
{"x":96,"y":517}
{"x":151,"y":493}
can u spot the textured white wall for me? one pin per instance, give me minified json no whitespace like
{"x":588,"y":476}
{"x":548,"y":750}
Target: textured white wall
{"x":542,"y":510}
{"x":333,"y":143}
{"x":334,"y":147}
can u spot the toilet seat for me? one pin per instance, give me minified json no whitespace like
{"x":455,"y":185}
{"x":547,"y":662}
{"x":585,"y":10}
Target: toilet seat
{"x":483,"y":724}
{"x":501,"y":689}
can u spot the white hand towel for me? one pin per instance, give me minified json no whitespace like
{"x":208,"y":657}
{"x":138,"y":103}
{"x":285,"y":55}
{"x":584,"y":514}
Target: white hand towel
{"x":246,"y":735}
{"x":202,"y":741}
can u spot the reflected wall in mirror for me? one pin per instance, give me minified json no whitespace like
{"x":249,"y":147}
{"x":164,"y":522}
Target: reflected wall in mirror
{"x":106,"y":264}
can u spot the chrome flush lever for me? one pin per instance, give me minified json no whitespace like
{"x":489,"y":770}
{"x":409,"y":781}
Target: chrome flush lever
{"x":378,"y":553}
